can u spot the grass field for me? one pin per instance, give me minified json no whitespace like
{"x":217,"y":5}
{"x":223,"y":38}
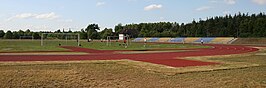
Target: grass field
{"x":28,"y":45}
{"x":126,"y":73}
{"x":117,"y":74}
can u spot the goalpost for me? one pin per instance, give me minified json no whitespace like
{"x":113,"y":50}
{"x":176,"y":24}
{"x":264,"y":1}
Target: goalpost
{"x":124,"y":38}
{"x":66,"y":37}
{"x":111,"y":39}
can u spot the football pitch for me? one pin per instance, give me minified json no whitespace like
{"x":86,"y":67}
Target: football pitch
{"x":25,"y":63}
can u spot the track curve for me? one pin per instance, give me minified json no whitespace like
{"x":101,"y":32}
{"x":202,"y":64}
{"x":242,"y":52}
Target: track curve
{"x":173,"y":59}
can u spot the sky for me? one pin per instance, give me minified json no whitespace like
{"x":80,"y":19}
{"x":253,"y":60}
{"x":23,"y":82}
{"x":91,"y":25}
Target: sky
{"x":51,"y":15}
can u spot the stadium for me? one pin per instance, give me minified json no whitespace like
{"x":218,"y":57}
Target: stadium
{"x":220,"y":51}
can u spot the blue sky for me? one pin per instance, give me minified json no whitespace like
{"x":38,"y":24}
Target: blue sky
{"x":51,"y":15}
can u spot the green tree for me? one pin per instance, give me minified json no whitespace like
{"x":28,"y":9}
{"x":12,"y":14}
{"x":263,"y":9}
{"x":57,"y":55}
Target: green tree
{"x":92,"y":31}
{"x":118,"y":28}
{"x":2,"y":33}
{"x":106,"y":32}
{"x":15,"y":35}
{"x":8,"y":35}
{"x":28,"y":33}
{"x":36,"y":35}
{"x":83,"y":34}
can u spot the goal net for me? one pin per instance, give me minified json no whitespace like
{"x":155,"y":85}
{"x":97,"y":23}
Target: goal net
{"x":112,"y":40}
{"x":60,"y":39}
{"x":118,"y":40}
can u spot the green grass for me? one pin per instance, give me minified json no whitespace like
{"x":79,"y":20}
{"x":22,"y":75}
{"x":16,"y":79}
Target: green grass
{"x":17,"y":45}
{"x":138,"y":46}
{"x":116,"y":74}
{"x":28,"y":45}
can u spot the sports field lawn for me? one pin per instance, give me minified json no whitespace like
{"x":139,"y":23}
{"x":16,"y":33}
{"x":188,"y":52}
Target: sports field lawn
{"x":118,"y":74}
{"x":126,"y":73}
{"x":28,"y":45}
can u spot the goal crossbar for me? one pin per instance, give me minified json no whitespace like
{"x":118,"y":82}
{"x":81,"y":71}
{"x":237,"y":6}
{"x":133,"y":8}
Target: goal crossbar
{"x":109,"y":39}
{"x":77,"y":34}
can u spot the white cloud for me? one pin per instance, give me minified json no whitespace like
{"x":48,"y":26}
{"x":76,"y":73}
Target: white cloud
{"x":230,"y":2}
{"x":153,"y":7}
{"x":100,"y":3}
{"x":204,"y":8}
{"x":260,"y":2}
{"x":22,"y":16}
{"x":49,"y":16}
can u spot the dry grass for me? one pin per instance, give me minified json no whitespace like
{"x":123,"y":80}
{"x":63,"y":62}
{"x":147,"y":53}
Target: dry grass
{"x":126,"y":73}
{"x":251,"y":41}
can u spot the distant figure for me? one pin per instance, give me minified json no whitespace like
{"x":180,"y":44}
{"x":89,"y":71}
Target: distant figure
{"x":183,"y":40}
{"x":125,"y":43}
{"x":101,"y":40}
{"x":59,"y":44}
{"x":145,"y":41}
{"x":201,"y":40}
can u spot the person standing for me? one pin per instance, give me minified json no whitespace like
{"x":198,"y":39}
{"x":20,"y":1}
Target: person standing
{"x":201,"y":40}
{"x":183,"y":40}
{"x":145,"y":41}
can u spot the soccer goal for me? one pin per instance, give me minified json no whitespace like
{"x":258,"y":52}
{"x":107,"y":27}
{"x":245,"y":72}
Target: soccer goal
{"x":64,"y":39}
{"x":121,"y":40}
{"x":110,"y":40}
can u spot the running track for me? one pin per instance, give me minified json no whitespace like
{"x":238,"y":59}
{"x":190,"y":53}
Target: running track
{"x":173,"y":59}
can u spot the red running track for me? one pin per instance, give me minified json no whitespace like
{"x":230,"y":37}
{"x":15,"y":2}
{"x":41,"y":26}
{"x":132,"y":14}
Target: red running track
{"x":173,"y":59}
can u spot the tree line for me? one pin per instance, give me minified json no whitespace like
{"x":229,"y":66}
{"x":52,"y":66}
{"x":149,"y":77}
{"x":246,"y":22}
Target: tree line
{"x":237,"y":25}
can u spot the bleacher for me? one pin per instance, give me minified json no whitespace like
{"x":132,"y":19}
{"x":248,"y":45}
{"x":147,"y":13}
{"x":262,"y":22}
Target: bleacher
{"x":164,"y":39}
{"x":153,"y":39}
{"x":222,"y":40}
{"x":205,"y":39}
{"x":212,"y":40}
{"x":138,"y":40}
{"x":191,"y":39}
{"x":177,"y":40}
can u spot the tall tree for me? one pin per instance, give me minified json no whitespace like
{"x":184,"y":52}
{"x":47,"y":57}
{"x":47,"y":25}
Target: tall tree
{"x":92,"y":31}
{"x":118,"y":28}
{"x":2,"y":33}
{"x":83,"y":34}
{"x":106,"y":32}
{"x":8,"y":35}
{"x":36,"y":35}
